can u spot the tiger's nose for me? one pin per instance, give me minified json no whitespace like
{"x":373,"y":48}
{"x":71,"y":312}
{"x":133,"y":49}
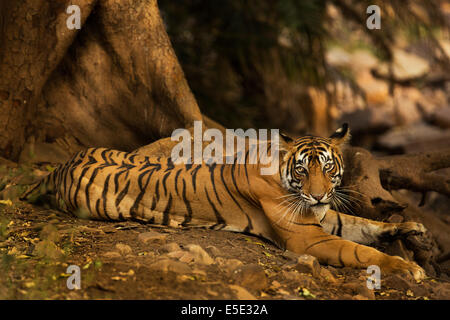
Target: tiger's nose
{"x":318,"y":197}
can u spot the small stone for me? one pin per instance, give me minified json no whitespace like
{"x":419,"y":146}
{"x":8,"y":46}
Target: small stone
{"x":229,"y":265}
{"x":395,"y":281}
{"x":169,"y":247}
{"x":167,"y":265}
{"x":186,"y":257}
{"x":251,"y":276}
{"x":326,"y":275}
{"x":241,"y":293}
{"x":152,"y":237}
{"x":276,"y":284}
{"x":199,"y":273}
{"x":213,"y":251}
{"x":200,"y":255}
{"x":124,"y":249}
{"x":308,"y":264}
{"x":290,"y":255}
{"x":49,"y":249}
{"x":49,"y":232}
{"x":181,"y":255}
{"x":359,"y":289}
{"x":112,"y":254}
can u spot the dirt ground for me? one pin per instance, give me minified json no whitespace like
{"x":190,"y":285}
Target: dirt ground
{"x":130,"y":260}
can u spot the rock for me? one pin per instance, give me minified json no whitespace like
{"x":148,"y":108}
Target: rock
{"x":405,"y":66}
{"x":376,"y":91}
{"x":308,"y":264}
{"x":241,"y":293}
{"x":152,"y":237}
{"x":112,"y":254}
{"x":290,"y":255}
{"x":181,"y":255}
{"x":326,"y":275}
{"x":416,"y":138}
{"x":200,"y":255}
{"x":124,"y":249}
{"x":406,"y":110}
{"x":48,"y":249}
{"x":229,"y":265}
{"x":167,"y":265}
{"x":359,"y":289}
{"x":441,"y":117}
{"x":338,"y":57}
{"x":49,"y":232}
{"x":213,"y":251}
{"x":395,"y":281}
{"x":251,"y":276}
{"x":169,"y":247}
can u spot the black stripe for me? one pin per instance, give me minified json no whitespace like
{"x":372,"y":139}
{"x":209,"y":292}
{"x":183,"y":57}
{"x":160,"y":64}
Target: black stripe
{"x":75,"y":196}
{"x":319,"y":242}
{"x":104,"y":193}
{"x":157,"y":191}
{"x":323,"y":218}
{"x":164,"y":182}
{"x":166,"y":212}
{"x":355,"y":253}
{"x":133,"y":209}
{"x":307,"y":224}
{"x":226,"y":186}
{"x":339,"y":230}
{"x":211,"y":176}
{"x":220,"y":220}
{"x":122,"y":194}
{"x":188,"y":217}
{"x":116,"y":180}
{"x":176,"y":180}
{"x":170,"y":164}
{"x":91,"y":180}
{"x":194,"y":176}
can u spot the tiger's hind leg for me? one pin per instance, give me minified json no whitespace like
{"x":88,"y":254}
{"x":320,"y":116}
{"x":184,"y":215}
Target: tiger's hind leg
{"x":366,"y":231}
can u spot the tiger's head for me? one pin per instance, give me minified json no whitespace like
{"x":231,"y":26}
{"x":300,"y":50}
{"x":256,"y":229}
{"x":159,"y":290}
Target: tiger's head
{"x":312,"y":167}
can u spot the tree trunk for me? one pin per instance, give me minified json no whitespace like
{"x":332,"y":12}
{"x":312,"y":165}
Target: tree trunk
{"x":114,"y":83}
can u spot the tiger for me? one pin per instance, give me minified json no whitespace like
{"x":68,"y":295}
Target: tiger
{"x":292,"y":208}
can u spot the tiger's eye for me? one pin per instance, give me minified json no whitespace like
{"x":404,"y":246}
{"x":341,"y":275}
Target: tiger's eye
{"x":300,"y":170}
{"x":327,"y":166}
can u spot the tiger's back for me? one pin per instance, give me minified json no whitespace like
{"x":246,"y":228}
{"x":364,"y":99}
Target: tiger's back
{"x":107,"y":184}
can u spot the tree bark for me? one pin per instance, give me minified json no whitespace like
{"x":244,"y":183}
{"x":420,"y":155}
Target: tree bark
{"x":115,"y":83}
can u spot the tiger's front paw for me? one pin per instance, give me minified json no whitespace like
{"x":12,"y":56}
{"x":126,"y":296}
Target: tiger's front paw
{"x":400,"y":266}
{"x":405,"y":229}
{"x":411,"y":228}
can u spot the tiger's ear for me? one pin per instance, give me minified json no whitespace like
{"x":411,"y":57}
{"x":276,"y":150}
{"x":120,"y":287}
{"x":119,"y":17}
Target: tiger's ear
{"x":341,"y":136}
{"x":286,"y":138}
{"x":285,"y":142}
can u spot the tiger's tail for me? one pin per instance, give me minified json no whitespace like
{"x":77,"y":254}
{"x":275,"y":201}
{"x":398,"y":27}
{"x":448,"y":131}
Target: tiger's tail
{"x":40,"y":188}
